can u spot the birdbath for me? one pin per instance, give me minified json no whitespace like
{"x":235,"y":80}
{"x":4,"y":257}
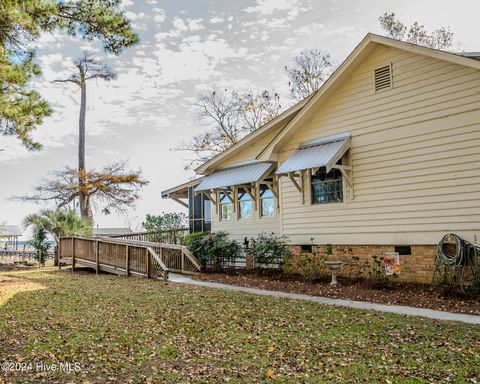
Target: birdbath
{"x":334,"y":267}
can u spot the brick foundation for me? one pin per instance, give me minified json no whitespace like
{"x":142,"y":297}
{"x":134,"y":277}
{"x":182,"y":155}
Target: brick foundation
{"x":415,"y":268}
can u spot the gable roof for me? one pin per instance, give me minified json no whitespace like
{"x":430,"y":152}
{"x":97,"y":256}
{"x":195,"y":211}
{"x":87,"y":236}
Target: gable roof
{"x":10,"y":230}
{"x":299,"y":113}
{"x":356,"y":57}
{"x":282,"y":118}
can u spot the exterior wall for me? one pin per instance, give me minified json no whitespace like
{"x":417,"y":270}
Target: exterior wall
{"x":415,"y":157}
{"x":249,"y":153}
{"x":241,"y":228}
{"x":415,"y":268}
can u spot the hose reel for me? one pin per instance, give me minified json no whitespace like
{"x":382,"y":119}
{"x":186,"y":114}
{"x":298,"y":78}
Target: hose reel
{"x":459,"y":260}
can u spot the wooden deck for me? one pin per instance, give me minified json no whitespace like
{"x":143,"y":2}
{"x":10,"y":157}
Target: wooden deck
{"x":127,"y":257}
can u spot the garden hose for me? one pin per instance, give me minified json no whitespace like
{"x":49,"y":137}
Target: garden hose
{"x":456,"y":253}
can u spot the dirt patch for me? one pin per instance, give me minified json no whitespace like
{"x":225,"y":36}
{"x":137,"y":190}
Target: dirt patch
{"x":414,"y":295}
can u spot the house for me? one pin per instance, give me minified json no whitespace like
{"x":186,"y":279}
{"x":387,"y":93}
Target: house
{"x":384,"y":157}
{"x":198,"y":204}
{"x":10,"y":233}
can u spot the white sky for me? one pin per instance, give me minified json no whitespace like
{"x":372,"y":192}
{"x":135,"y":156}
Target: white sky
{"x":186,"y":48}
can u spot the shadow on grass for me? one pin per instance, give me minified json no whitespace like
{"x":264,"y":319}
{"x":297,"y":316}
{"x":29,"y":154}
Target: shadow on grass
{"x":135,"y":330}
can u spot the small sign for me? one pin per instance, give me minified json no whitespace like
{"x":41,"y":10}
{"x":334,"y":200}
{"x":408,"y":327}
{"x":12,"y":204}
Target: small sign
{"x":391,"y":261}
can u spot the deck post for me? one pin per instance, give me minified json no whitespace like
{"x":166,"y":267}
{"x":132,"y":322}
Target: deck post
{"x":97,"y":257}
{"x":127,"y":260}
{"x":183,"y":260}
{"x":73,"y":253}
{"x":148,"y":263}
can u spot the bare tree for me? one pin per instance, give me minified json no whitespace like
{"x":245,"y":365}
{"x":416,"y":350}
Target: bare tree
{"x":89,"y":68}
{"x":441,"y":38}
{"x":111,"y":188}
{"x":310,"y":69}
{"x":257,"y":108}
{"x":230,"y":116}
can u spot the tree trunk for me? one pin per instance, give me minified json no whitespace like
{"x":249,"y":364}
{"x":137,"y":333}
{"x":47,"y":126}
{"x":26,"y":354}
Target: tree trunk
{"x":55,"y":256}
{"x":88,"y":209}
{"x":81,"y":147}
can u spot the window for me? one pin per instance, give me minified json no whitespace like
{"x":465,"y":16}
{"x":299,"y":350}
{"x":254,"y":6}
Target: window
{"x":199,"y":211}
{"x":245,"y":204}
{"x":267,"y":202}
{"x":207,"y":210}
{"x":226,"y":207}
{"x":327,"y":187}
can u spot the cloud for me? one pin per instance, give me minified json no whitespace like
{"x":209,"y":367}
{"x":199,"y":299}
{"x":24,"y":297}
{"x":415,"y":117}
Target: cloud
{"x":309,"y":28}
{"x":275,"y":14}
{"x":268,"y":7}
{"x":194,"y":57}
{"x":160,"y":15}
{"x":126,"y":3}
{"x":195,"y":25}
{"x":135,"y":16}
{"x":216,"y":19}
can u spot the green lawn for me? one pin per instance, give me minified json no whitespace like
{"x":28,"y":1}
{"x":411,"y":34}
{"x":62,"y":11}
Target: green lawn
{"x":131,"y":330}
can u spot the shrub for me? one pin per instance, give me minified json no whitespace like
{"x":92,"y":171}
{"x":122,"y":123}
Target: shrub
{"x":270,"y":249}
{"x":40,"y":244}
{"x":374,"y":273}
{"x":165,"y":222}
{"x":309,"y":266}
{"x":215,"y":248}
{"x":195,"y":244}
{"x":351,"y":264}
{"x":329,"y":251}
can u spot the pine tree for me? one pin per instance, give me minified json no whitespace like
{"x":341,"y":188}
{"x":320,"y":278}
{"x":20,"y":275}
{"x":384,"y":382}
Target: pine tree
{"x":22,"y":109}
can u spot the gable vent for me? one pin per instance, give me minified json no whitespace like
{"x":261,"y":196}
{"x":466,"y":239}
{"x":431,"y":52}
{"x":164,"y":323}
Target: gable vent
{"x":383,"y":77}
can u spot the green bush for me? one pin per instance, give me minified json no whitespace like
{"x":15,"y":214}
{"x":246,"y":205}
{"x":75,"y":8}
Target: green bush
{"x":270,"y":249}
{"x":374,"y":273}
{"x":213,"y":248}
{"x":195,"y":243}
{"x":40,"y":244}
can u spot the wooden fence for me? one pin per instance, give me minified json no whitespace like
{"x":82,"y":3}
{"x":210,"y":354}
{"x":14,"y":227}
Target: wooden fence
{"x":20,"y":255}
{"x":173,"y":236}
{"x":128,"y":257}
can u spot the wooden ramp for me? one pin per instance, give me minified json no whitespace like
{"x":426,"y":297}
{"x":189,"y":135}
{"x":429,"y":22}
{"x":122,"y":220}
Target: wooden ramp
{"x":127,"y":257}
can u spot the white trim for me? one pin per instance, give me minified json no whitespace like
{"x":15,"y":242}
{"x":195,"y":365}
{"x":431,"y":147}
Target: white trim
{"x":326,"y":139}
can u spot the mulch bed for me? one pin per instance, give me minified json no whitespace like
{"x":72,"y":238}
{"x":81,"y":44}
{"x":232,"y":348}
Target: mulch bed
{"x":414,"y":295}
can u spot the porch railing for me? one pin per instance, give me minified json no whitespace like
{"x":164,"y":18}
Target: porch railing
{"x":129,"y":257}
{"x":173,"y":236}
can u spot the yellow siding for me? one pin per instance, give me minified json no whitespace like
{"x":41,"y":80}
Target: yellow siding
{"x":241,"y":228}
{"x":249,"y":153}
{"x":415,"y":155}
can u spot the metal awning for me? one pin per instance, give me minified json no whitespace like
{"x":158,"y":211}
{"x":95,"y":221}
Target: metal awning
{"x":243,"y":174}
{"x":9,"y":231}
{"x":181,"y":191}
{"x":324,"y":152}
